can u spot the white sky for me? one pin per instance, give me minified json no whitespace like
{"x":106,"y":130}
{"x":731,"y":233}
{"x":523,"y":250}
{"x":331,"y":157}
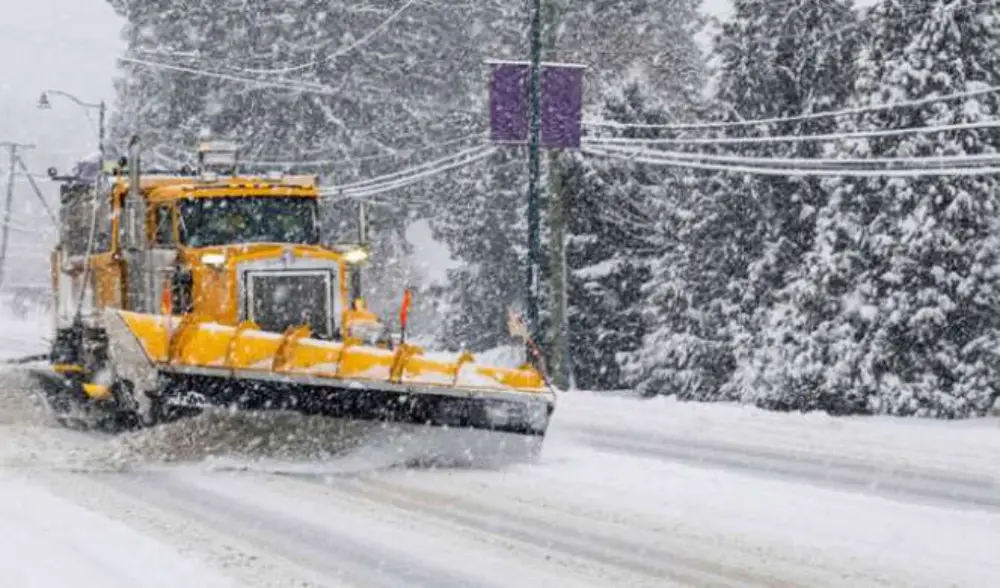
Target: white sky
{"x":67,"y":45}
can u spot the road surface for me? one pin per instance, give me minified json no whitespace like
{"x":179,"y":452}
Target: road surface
{"x":626,"y":493}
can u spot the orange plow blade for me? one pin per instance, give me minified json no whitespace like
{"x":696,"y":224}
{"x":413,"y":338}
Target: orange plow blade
{"x":172,"y":366}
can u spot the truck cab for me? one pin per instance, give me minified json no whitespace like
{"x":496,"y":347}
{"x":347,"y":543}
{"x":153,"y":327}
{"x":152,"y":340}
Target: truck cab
{"x":227,"y":247}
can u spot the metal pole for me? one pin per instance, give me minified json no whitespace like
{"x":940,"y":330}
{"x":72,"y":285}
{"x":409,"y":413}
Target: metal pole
{"x":8,"y":204}
{"x":559,"y":330}
{"x":534,"y":168}
{"x":6,"y":213}
{"x":100,"y":133}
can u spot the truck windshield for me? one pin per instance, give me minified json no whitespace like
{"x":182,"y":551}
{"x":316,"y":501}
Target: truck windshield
{"x":207,"y":222}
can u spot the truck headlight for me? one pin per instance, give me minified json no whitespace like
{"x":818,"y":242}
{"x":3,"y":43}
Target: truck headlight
{"x":213,"y":259}
{"x":355,"y":256}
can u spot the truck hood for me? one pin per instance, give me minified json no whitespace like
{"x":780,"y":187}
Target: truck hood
{"x":234,"y":254}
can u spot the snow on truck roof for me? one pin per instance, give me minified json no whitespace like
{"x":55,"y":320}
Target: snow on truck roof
{"x":165,"y":188}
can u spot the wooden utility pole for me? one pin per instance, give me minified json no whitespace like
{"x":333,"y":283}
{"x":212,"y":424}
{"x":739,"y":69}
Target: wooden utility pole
{"x":558,"y":339}
{"x":9,"y":202}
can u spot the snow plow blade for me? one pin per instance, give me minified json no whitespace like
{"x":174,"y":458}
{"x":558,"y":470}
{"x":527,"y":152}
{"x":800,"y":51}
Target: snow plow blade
{"x":170,"y":364}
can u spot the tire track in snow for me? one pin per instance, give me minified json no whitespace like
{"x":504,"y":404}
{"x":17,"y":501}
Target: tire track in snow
{"x":193,"y":537}
{"x":333,"y":553}
{"x":656,"y":564}
{"x":626,"y":554}
{"x":890,"y":481}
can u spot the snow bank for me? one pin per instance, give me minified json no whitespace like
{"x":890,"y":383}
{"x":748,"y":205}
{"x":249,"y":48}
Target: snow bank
{"x":969,"y":447}
{"x":23,"y":336}
{"x":48,"y":541}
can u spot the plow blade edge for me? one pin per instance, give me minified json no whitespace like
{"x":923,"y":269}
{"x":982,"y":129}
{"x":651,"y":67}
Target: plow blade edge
{"x":187,"y":363}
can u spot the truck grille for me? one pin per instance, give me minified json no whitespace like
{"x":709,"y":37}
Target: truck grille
{"x":279,"y":300}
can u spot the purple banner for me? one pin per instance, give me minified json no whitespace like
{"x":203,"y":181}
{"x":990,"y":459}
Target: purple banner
{"x":509,"y":105}
{"x":561,"y":104}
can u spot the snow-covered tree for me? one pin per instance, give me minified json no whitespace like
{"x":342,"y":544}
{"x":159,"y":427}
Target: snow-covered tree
{"x":610,"y":242}
{"x":484,"y":225}
{"x":894,"y":310}
{"x":779,"y":60}
{"x":732,"y":239}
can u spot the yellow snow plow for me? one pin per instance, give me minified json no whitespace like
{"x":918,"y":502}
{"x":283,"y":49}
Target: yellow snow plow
{"x":213,"y":289}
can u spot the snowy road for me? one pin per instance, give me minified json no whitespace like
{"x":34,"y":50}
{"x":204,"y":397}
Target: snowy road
{"x":955,"y":464}
{"x":627,"y":493}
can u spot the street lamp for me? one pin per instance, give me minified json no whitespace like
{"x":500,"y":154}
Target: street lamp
{"x":45,"y":104}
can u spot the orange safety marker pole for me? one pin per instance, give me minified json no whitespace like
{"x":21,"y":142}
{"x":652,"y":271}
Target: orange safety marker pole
{"x":404,"y":314}
{"x":166,"y":299}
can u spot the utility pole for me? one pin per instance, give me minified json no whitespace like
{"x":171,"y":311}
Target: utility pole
{"x":12,"y":147}
{"x":559,"y":327}
{"x":534,"y":168}
{"x":558,"y":339}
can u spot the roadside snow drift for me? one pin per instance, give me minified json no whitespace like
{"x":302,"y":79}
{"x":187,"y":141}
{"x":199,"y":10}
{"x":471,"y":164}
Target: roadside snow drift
{"x":47,"y":541}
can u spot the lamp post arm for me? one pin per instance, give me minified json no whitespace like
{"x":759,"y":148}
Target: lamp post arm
{"x":74,"y":99}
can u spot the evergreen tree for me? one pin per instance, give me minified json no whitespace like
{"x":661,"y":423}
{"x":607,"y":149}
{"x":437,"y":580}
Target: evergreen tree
{"x":688,"y":302}
{"x":486,"y":229}
{"x":729,"y":241}
{"x":779,"y":60}
{"x":609,"y":234}
{"x":894,"y":309}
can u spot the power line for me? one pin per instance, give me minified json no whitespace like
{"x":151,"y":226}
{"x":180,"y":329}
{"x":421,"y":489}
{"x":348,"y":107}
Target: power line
{"x":983,"y":159}
{"x":413,"y":178}
{"x":382,"y":187}
{"x":354,"y":186}
{"x":38,"y":192}
{"x":798,"y":172}
{"x":403,"y":153}
{"x":992,"y":124}
{"x":291,"y":85}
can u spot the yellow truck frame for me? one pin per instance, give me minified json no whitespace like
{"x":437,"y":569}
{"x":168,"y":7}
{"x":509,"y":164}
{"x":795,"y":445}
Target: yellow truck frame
{"x":157,"y":321}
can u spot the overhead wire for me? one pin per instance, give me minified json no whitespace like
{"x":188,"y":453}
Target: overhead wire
{"x":939,"y":160}
{"x":794,"y":172}
{"x":412,"y":178}
{"x":408,"y":152}
{"x":292,"y":85}
{"x":991,"y":124}
{"x":295,"y":85}
{"x":408,"y":180}
{"x":401,"y":174}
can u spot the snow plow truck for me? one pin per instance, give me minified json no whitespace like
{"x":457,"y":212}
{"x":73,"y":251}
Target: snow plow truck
{"x":181,"y":291}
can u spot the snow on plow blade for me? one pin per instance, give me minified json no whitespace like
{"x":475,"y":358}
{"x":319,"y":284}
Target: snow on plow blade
{"x":169,"y":361}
